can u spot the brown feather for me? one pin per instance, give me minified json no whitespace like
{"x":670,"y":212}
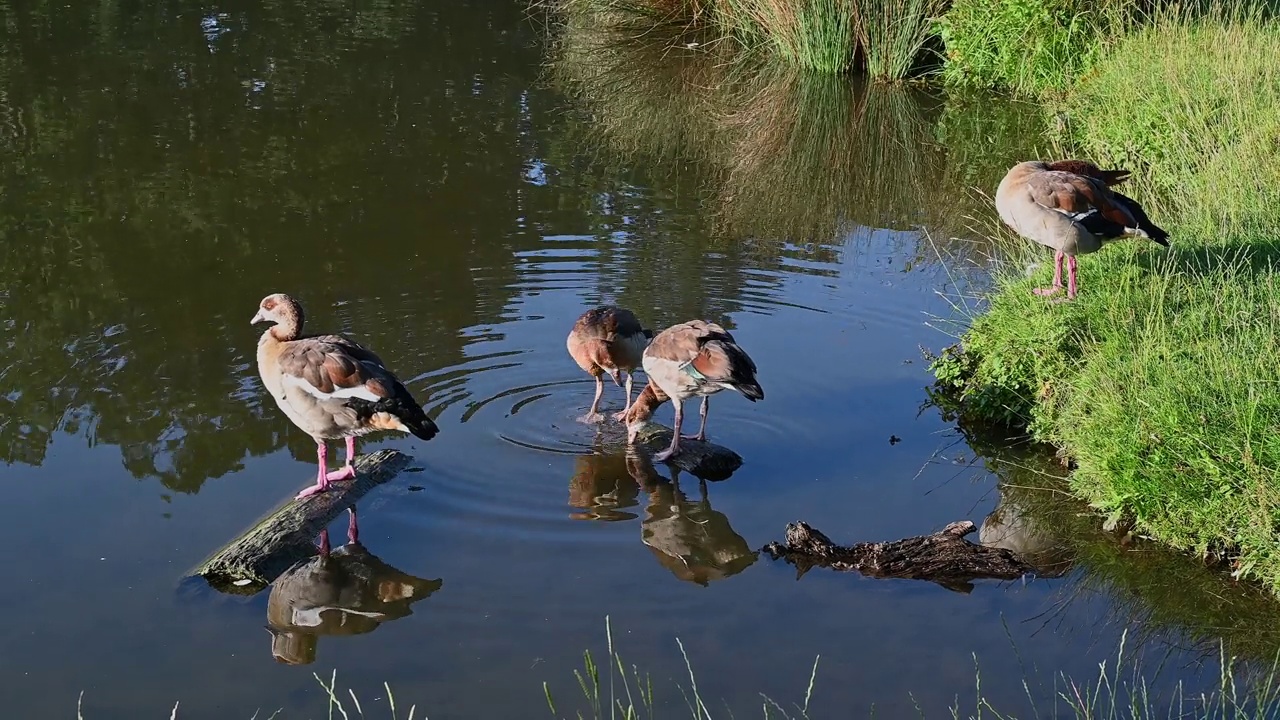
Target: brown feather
{"x":1077,"y":194}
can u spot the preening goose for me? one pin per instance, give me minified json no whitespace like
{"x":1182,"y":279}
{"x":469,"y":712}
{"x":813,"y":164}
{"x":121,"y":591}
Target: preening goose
{"x":692,"y":359}
{"x":331,"y":387}
{"x":1073,"y":213}
{"x":608,"y":340}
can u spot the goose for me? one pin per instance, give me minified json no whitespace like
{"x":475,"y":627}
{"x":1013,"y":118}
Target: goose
{"x":331,"y":387}
{"x":692,"y":359}
{"x":608,"y":340}
{"x":1073,"y":213}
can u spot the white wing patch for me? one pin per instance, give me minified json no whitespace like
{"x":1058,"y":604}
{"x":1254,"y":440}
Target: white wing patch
{"x":360,"y":391}
{"x":312,"y":616}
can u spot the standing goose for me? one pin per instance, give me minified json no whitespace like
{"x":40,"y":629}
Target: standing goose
{"x":692,"y":359}
{"x":1072,"y":213}
{"x":608,"y":340}
{"x":331,"y":387}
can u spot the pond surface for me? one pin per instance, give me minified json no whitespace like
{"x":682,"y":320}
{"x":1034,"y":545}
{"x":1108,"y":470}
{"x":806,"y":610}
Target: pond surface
{"x":435,"y":180}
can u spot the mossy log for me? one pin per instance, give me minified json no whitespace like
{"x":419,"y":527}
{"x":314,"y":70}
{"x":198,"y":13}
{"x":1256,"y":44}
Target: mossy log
{"x":705,"y":460}
{"x":944,"y":557}
{"x":287,"y":534}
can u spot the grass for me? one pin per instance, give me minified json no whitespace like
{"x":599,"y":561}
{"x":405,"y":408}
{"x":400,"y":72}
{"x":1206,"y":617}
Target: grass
{"x":1030,"y":47}
{"x":1118,"y":693}
{"x":1161,"y":381}
{"x":887,"y":38}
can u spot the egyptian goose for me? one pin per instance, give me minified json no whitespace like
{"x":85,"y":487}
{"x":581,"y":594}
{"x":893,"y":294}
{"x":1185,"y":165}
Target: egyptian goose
{"x":692,"y":359}
{"x":608,"y":340}
{"x":331,"y":387}
{"x":1072,"y":213}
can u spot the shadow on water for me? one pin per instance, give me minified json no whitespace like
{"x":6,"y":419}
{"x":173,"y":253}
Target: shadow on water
{"x":687,"y":536}
{"x":1168,"y":599}
{"x":344,"y":591}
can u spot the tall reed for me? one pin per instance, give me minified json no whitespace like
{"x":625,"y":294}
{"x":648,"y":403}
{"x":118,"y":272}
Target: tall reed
{"x":893,"y":34}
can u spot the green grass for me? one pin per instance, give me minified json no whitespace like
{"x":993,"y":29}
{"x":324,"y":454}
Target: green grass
{"x":1162,"y":380}
{"x":1029,"y":46}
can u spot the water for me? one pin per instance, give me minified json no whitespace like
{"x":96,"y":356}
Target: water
{"x":422,"y":179}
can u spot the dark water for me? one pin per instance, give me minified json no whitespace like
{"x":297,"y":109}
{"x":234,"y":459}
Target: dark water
{"x":425,"y":179}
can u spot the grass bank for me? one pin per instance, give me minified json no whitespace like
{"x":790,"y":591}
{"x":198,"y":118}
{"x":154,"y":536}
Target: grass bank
{"x":1161,"y":382}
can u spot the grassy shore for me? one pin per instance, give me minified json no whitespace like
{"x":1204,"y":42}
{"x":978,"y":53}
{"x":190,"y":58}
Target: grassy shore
{"x":1161,"y":381}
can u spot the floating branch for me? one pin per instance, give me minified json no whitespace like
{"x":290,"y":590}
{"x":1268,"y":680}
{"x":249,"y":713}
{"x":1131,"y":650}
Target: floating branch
{"x":286,"y":535}
{"x":944,"y":557}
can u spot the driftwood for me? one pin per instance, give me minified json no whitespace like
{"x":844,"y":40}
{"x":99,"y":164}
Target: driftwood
{"x":286,"y":535}
{"x":705,"y":460}
{"x":944,"y":557}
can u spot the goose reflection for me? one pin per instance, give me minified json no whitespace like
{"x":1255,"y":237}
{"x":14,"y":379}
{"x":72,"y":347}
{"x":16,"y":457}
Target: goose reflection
{"x":602,"y":487}
{"x":1012,"y":527}
{"x":343,"y":591}
{"x":688,"y":537}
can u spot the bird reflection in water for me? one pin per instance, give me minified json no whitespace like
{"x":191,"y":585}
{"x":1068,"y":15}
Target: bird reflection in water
{"x":343,"y":591}
{"x":689,"y":538}
{"x":1011,"y":527}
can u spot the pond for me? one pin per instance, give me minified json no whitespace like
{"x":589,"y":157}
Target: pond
{"x":440,"y":181}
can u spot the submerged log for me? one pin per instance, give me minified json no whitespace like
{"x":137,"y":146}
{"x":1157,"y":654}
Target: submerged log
{"x":944,"y":557}
{"x":705,"y":460}
{"x":286,"y":535}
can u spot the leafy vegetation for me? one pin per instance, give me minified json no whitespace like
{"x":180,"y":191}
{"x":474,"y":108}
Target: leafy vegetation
{"x":1028,"y":46}
{"x":1160,"y":379}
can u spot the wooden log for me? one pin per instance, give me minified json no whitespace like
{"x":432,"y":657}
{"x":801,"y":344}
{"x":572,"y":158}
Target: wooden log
{"x":287,"y":534}
{"x":704,"y":460}
{"x":944,"y":557}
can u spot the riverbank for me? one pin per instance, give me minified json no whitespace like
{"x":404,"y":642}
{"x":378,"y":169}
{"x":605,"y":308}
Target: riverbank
{"x":1160,"y":381}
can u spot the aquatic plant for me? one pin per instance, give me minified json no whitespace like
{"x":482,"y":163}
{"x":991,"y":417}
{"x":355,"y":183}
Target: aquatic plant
{"x":1160,"y":380}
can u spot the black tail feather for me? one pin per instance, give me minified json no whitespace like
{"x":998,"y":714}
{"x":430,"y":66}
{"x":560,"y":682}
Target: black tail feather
{"x":1155,"y":232}
{"x":1096,"y":223}
{"x":751,"y":391}
{"x":405,"y":409}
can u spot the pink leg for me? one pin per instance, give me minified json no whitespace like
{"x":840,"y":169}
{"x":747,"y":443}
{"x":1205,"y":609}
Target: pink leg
{"x":675,"y":435}
{"x":1071,"y":277}
{"x":322,"y":479}
{"x":348,"y":471}
{"x":353,"y":527}
{"x":1057,"y":276}
{"x":324,"y":542}
{"x":622,"y":416}
{"x":593,"y":416}
{"x":702,"y":429}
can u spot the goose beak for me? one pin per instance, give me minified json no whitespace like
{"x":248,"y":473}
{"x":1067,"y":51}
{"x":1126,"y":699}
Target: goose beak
{"x":257,"y":318}
{"x":617,"y":377}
